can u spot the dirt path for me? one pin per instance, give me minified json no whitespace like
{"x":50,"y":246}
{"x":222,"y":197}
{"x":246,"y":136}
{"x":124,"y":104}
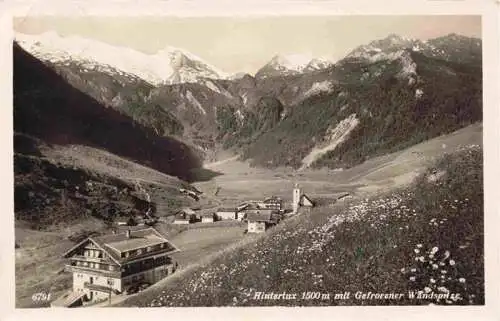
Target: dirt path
{"x":218,"y":163}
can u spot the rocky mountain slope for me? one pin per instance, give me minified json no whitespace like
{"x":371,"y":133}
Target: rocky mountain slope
{"x":452,"y":47}
{"x":396,"y":90}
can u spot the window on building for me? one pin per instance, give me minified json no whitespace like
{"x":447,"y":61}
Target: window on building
{"x":162,"y":245}
{"x":111,"y":268}
{"x":139,"y":251}
{"x":149,"y":248}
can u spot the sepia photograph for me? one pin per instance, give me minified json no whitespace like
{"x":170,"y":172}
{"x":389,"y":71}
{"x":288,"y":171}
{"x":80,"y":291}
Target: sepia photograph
{"x":263,"y":161}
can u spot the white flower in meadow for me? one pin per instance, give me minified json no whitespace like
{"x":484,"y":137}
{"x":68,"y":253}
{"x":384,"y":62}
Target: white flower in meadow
{"x":443,"y":289}
{"x":416,"y":251}
{"x":432,"y":280}
{"x":446,"y":254}
{"x":414,"y":270}
{"x":434,"y":249}
{"x":403,"y":269}
{"x":461,"y":280}
{"x":443,"y":271}
{"x":427,"y":289}
{"x":419,"y":245}
{"x":435,"y":266}
{"x":452,"y":262}
{"x":412,"y":278}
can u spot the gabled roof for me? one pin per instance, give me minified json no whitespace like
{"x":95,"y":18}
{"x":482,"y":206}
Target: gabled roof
{"x":272,"y":199}
{"x":227,"y":209}
{"x":304,"y":196}
{"x":115,"y":244}
{"x":264,"y":216}
{"x":188,"y":210}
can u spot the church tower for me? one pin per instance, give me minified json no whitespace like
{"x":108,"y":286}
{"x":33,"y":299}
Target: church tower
{"x":296,"y":198}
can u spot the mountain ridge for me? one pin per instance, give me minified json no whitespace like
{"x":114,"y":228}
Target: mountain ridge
{"x":167,"y":66}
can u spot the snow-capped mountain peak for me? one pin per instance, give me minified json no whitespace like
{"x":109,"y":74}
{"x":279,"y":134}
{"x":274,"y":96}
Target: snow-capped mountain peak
{"x":450,"y":47}
{"x":292,"y":64}
{"x":168,"y":65}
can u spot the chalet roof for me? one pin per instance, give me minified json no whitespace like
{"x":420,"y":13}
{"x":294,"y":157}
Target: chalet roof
{"x":227,"y":209}
{"x":264,"y":216}
{"x":115,"y":244}
{"x":252,"y":207}
{"x":188,"y":210}
{"x":243,"y":206}
{"x":68,"y":299}
{"x":260,"y":210}
{"x":272,"y":199}
{"x":135,"y":243}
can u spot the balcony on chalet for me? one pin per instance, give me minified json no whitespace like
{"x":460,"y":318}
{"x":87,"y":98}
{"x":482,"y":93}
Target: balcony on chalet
{"x":144,"y":265}
{"x":103,"y":269}
{"x":83,"y":264}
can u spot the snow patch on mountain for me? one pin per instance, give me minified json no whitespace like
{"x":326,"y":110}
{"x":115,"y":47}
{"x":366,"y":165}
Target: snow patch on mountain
{"x":419,"y":93}
{"x":293,"y":62}
{"x":244,"y":98}
{"x":167,"y":66}
{"x":212,"y":86}
{"x":195,"y":102}
{"x":239,"y":116}
{"x":319,"y":87}
{"x":334,"y":136}
{"x":221,"y":91}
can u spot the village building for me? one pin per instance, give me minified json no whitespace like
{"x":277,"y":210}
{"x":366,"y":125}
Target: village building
{"x":193,"y":194}
{"x":185,"y":216}
{"x":208,"y":218}
{"x":300,"y":199}
{"x":107,"y":265}
{"x":259,"y":220}
{"x":274,"y":203}
{"x":242,"y":206}
{"x":227,"y":213}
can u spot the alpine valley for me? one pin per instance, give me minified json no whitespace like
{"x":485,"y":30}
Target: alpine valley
{"x":106,"y":134}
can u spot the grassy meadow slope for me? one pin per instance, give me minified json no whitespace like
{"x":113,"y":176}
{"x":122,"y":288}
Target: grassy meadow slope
{"x":426,"y":236}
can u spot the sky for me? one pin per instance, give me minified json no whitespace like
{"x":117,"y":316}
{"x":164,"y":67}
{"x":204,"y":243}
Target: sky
{"x":239,"y":44}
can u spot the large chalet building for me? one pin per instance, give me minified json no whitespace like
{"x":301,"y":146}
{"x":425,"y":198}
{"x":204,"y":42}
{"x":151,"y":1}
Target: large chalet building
{"x":107,"y":265}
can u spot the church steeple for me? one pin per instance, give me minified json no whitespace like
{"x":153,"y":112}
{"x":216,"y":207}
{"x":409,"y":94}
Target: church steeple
{"x":296,"y":198}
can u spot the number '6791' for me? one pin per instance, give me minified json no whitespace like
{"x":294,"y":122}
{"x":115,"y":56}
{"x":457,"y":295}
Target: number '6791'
{"x":40,"y":297}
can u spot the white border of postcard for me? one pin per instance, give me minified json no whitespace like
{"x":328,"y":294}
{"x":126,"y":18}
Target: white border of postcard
{"x":489,"y":9}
